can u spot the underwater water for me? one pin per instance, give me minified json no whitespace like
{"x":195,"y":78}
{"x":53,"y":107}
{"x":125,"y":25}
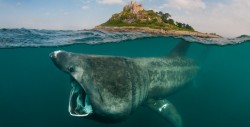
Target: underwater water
{"x":34,"y":93}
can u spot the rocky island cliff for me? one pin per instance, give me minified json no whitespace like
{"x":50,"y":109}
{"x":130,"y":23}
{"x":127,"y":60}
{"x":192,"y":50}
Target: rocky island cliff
{"x":134,"y":18}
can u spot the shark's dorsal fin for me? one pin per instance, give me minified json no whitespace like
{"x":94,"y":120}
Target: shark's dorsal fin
{"x":180,"y":49}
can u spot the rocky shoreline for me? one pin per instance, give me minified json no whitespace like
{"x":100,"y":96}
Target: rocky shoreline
{"x":155,"y":31}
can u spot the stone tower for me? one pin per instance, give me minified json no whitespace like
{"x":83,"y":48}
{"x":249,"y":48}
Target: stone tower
{"x":133,"y":7}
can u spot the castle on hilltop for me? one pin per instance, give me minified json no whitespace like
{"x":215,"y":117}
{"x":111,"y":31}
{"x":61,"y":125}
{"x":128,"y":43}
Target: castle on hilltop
{"x":133,"y":7}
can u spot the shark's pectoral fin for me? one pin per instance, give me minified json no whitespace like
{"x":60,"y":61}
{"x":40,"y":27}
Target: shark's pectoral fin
{"x":165,"y":109}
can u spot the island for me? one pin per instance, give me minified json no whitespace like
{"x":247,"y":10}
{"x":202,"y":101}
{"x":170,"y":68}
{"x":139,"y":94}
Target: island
{"x":134,"y":18}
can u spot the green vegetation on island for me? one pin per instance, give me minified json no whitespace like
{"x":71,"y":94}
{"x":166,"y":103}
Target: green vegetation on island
{"x":135,"y":15}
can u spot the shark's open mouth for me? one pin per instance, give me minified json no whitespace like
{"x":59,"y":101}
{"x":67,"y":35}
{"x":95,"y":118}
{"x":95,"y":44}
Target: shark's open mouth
{"x":79,"y":104}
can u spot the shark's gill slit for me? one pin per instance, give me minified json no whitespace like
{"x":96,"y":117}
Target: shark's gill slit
{"x":79,"y":104}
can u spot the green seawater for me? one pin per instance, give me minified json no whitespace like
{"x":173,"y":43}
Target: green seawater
{"x":34,"y":93}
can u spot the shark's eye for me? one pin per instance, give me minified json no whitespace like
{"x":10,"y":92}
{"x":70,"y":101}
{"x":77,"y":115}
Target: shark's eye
{"x":71,"y":69}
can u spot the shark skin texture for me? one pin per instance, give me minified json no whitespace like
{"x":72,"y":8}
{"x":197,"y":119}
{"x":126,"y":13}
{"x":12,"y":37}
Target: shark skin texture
{"x":110,"y":88}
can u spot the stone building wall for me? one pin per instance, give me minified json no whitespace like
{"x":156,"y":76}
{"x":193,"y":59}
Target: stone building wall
{"x":133,"y":7}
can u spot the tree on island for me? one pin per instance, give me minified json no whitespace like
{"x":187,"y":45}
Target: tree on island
{"x":184,"y":26}
{"x":166,"y":18}
{"x":189,"y":27}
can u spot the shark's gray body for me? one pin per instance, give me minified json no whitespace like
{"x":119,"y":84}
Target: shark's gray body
{"x":114,"y":87}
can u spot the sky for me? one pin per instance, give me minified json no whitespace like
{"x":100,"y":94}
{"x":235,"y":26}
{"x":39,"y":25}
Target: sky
{"x":229,"y":18}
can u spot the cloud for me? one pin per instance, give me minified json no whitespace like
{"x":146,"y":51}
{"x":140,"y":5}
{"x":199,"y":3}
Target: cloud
{"x":185,"y":4}
{"x":18,"y":4}
{"x":86,"y":1}
{"x":110,"y":1}
{"x":229,"y":19}
{"x":85,"y":7}
{"x":246,"y":2}
{"x":85,"y":4}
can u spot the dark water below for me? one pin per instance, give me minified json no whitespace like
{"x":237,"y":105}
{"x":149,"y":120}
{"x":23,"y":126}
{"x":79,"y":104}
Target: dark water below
{"x":34,"y":93}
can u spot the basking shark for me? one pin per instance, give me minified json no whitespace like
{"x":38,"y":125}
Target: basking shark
{"x":110,"y":88}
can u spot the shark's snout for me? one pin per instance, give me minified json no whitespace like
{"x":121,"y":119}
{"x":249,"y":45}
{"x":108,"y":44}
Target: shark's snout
{"x":58,"y":57}
{"x":79,"y":103}
{"x":54,"y":54}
